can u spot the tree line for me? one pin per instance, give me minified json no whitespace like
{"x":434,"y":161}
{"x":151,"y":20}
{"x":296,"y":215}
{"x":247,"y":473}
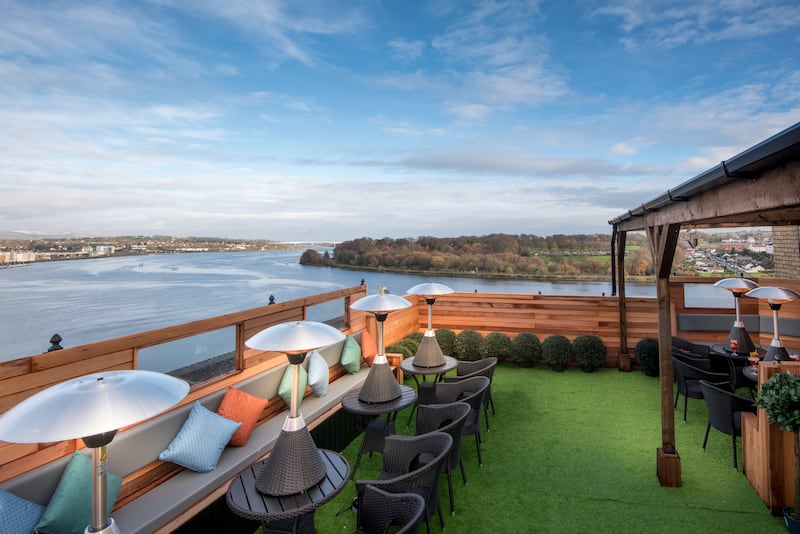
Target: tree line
{"x":502,"y":255}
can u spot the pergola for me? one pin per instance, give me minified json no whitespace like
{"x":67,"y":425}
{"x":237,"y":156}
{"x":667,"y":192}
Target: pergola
{"x":758,"y":187}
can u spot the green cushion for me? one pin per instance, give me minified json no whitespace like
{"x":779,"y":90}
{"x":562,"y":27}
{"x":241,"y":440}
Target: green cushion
{"x":70,"y":508}
{"x":351,"y":355}
{"x":201,"y":440}
{"x":285,"y":387}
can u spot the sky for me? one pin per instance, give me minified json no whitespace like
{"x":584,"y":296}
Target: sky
{"x":333,"y":120}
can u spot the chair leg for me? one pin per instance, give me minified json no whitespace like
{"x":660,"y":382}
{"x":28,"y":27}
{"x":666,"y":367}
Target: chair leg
{"x":685,"y":402}
{"x":705,"y":440}
{"x":486,"y":414}
{"x":450,"y":490}
{"x":491,"y":401}
{"x":478,"y":446}
{"x":677,"y":394}
{"x":463,"y":472}
{"x":441,"y":517}
{"x":733,"y":442}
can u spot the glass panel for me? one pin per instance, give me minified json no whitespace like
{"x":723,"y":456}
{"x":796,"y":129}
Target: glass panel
{"x":707,"y":296}
{"x":195,"y":358}
{"x":331,"y":312}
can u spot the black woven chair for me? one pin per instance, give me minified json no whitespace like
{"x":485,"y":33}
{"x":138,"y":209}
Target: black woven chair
{"x":483,"y":367}
{"x":379,"y":509}
{"x":449,"y":418}
{"x":725,"y":412}
{"x":412,"y":464}
{"x":473,"y":391}
{"x":688,"y":379}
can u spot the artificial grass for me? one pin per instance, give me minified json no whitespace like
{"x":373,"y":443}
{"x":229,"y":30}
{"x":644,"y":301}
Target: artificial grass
{"x":576,"y":452}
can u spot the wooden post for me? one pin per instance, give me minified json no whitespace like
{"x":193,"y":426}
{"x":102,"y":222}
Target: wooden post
{"x":624,"y":361}
{"x":663,"y":240}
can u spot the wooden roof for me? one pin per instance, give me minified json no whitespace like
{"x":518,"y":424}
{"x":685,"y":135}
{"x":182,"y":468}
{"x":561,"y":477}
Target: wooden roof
{"x":758,"y":187}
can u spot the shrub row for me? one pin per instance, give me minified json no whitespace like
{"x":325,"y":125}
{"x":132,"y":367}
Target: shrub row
{"x":525,"y":348}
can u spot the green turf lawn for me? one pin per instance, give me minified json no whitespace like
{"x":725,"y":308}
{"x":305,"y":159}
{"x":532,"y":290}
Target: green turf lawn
{"x":576,"y":452}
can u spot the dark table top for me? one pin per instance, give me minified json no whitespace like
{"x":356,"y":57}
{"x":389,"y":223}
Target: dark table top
{"x":407,"y":365}
{"x":246,"y":501}
{"x":352,"y":404}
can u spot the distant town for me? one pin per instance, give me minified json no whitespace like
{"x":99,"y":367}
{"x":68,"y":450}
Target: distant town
{"x":22,"y":251}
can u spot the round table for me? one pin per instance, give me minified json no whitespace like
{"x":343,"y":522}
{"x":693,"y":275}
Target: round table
{"x":376,"y":427}
{"x":290,"y":513}
{"x":426,"y":391}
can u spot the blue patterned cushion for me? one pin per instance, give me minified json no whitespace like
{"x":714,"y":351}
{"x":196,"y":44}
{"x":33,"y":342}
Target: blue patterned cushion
{"x":201,"y":440}
{"x":18,"y":514}
{"x":351,"y":355}
{"x":70,"y":508}
{"x":317,"y":374}
{"x":285,"y":387}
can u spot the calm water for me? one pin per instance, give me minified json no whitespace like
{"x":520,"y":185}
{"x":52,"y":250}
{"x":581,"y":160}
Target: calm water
{"x":90,"y":300}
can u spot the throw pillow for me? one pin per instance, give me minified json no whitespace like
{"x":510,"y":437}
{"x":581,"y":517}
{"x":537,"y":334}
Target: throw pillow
{"x":201,"y":440}
{"x":351,"y":355}
{"x":368,"y":347}
{"x":70,"y":508}
{"x":317,"y":373}
{"x":285,"y":387}
{"x":19,"y":515}
{"x":244,"y":408}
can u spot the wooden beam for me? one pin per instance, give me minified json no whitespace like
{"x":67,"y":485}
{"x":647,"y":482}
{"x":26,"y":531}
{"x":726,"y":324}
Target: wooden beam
{"x":662,"y":240}
{"x":624,"y":360}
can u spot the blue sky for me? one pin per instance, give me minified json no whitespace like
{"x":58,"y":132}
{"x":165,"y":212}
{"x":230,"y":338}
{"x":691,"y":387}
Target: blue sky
{"x":326,"y":120}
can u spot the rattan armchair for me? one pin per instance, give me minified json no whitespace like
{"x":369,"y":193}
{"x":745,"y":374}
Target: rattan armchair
{"x":473,"y":391}
{"x":483,"y":367}
{"x":448,"y":418}
{"x":725,"y":410}
{"x":413,"y":464}
{"x":379,"y":509}
{"x":688,"y":378}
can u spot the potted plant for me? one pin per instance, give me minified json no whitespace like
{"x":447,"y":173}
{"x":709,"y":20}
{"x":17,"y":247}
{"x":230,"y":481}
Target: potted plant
{"x":646,"y":352}
{"x":780,"y":398}
{"x":497,"y":344}
{"x":526,"y":349}
{"x":590,"y":351}
{"x":469,"y":344}
{"x":557,"y":351}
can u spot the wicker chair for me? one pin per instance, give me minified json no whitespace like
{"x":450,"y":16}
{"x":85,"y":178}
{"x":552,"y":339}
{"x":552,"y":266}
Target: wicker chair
{"x":688,"y":379}
{"x":413,"y":464}
{"x":379,"y":509}
{"x":448,"y":418}
{"x":484,"y":367}
{"x":473,"y":391}
{"x":725,"y":412}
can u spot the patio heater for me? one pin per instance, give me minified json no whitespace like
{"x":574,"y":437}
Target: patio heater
{"x":738,"y":340}
{"x":294,"y":464}
{"x":429,"y":354}
{"x":775,"y":296}
{"x":380,"y":384}
{"x":93,"y":408}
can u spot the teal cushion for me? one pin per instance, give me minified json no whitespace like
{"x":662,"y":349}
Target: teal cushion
{"x":70,"y":508}
{"x":317,"y":373}
{"x":285,"y":387}
{"x":201,"y":440}
{"x":18,"y":515}
{"x":351,"y":355}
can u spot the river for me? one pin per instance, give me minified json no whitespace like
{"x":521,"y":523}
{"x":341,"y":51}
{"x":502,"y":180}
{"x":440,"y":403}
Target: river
{"x":90,"y":300}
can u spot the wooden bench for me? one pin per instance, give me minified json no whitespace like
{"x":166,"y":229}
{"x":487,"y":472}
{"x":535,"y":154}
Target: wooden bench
{"x":159,"y":496}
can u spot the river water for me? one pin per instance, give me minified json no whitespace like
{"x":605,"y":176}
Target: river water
{"x":101,"y":298}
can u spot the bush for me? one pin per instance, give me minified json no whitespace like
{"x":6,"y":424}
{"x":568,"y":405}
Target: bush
{"x":399,"y":348}
{"x":557,"y":351}
{"x":646,"y":352}
{"x":590,"y":351}
{"x":411,"y":343}
{"x":416,"y":336}
{"x":447,"y":341}
{"x":497,"y":344}
{"x":526,"y":349}
{"x":469,"y":345}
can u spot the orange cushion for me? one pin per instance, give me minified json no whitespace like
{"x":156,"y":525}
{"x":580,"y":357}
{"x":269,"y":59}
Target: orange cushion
{"x":368,"y":347}
{"x":243,"y":408}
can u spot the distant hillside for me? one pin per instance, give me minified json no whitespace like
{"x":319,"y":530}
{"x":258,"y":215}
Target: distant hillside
{"x":496,"y":255}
